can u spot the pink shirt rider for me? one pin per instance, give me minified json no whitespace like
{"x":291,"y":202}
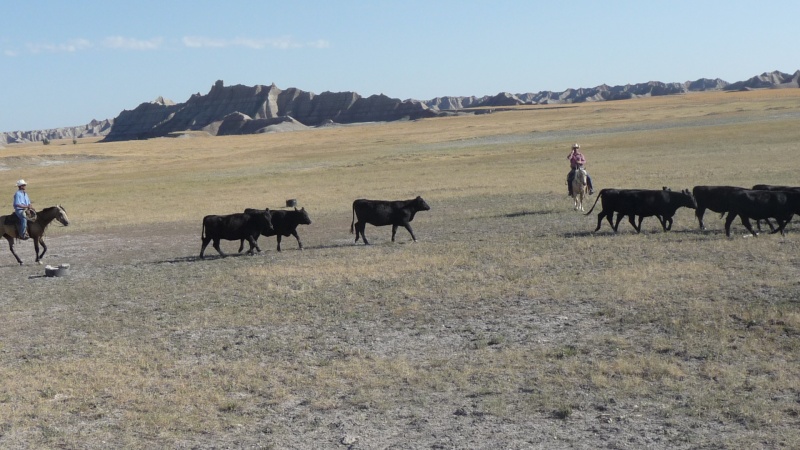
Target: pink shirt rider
{"x":576,"y":159}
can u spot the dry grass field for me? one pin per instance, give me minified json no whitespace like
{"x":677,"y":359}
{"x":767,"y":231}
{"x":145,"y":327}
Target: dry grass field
{"x":509,"y":324}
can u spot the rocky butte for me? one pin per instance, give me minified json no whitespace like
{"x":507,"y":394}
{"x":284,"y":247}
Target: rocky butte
{"x":246,"y":110}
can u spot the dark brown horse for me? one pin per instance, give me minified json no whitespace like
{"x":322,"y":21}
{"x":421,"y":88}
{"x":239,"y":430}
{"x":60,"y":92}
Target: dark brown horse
{"x":10,"y":226}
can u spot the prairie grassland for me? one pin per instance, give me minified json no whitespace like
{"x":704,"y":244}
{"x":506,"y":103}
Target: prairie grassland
{"x":510,"y":324}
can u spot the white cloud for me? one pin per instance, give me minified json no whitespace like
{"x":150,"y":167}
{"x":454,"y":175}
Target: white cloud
{"x":282,"y":43}
{"x":119,"y":42}
{"x":11,"y":53}
{"x":70,"y":46}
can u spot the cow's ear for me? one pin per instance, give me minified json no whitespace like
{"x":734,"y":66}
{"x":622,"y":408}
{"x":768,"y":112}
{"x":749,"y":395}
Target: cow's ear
{"x":295,"y":208}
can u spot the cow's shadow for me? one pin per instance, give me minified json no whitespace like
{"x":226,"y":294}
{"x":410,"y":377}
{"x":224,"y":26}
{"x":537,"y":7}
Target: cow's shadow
{"x":523,"y":214}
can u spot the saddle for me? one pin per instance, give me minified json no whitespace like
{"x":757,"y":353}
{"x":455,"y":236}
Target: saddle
{"x":12,"y":218}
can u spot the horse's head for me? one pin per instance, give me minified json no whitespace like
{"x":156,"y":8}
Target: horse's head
{"x":62,"y":215}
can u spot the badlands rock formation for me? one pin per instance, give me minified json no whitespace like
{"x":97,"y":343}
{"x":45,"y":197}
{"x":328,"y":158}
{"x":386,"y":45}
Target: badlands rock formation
{"x":95,"y":128}
{"x":245,"y":110}
{"x":227,"y":110}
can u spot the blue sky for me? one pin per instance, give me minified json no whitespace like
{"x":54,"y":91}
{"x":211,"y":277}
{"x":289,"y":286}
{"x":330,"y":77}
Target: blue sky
{"x":65,"y":63}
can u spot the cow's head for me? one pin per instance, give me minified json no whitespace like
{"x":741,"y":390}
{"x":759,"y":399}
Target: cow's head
{"x":265,"y":217}
{"x":691,"y":201}
{"x":420,"y":205}
{"x":303,"y":218}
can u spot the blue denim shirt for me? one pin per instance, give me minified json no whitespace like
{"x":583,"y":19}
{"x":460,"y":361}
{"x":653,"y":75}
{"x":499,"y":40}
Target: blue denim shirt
{"x":21,"y":198}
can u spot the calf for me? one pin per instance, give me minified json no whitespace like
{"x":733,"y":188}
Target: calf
{"x":643,"y":203}
{"x":714,"y":198}
{"x":382,"y":212}
{"x":762,"y":205}
{"x":284,"y":223}
{"x":234,"y":227}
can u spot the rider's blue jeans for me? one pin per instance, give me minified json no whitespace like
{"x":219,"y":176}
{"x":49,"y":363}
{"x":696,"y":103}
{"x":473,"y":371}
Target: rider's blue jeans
{"x":23,"y":222}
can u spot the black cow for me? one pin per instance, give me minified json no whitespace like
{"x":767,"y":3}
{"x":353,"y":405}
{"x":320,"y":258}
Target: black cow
{"x":714,"y":198}
{"x":761,"y":205}
{"x":234,"y":227}
{"x":382,"y":212}
{"x":772,"y":187}
{"x":642,"y":203}
{"x":284,"y":223}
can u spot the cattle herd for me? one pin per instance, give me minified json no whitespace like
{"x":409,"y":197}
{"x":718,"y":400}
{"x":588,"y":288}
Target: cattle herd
{"x":252,"y":223}
{"x":762,"y":202}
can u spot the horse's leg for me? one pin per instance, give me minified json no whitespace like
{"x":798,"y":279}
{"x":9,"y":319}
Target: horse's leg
{"x":36,"y":242}
{"x":11,"y":247}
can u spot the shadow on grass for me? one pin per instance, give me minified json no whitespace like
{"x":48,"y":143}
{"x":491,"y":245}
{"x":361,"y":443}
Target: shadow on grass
{"x":525,"y":213}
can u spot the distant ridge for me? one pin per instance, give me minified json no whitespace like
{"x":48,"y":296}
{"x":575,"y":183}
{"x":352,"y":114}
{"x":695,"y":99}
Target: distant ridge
{"x":239,"y":109}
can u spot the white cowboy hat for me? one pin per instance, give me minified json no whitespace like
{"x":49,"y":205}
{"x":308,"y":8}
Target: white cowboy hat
{"x":21,"y":183}
{"x":576,"y":145}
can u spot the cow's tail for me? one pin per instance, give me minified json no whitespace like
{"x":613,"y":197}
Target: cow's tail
{"x":352,"y":224}
{"x":599,"y":194}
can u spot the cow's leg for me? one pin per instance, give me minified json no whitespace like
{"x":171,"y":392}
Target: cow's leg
{"x":297,"y":236}
{"x":699,"y":212}
{"x":669,"y":223}
{"x":728,"y":222}
{"x":250,"y":240}
{"x":205,"y":240}
{"x":600,"y":220}
{"x":781,"y":225}
{"x":360,"y":226}
{"x":408,"y":227}
{"x":279,"y":241}
{"x":11,"y":247}
{"x":394,"y":231}
{"x":663,"y":221}
{"x":216,"y":247}
{"x":632,"y":220}
{"x":620,"y":216}
{"x":746,"y":223}
{"x":357,"y":227}
{"x":241,"y":245}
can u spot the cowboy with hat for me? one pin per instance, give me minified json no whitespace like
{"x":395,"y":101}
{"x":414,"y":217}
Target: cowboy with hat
{"x":21,"y":205}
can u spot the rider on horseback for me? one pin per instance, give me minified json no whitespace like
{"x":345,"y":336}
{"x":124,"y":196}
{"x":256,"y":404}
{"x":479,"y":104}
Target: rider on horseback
{"x":577,"y":161}
{"x":21,"y":205}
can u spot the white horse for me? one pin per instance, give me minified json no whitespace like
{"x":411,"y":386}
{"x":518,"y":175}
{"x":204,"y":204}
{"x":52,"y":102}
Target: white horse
{"x":580,"y":188}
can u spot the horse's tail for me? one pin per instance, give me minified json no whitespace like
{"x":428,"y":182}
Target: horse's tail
{"x":599,"y":194}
